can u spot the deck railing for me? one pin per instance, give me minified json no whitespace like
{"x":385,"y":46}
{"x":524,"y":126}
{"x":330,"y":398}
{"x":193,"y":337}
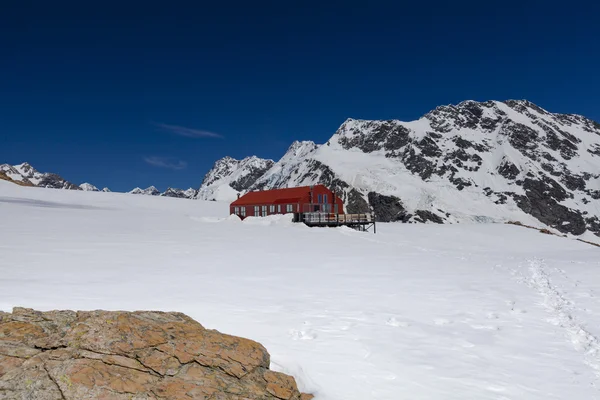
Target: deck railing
{"x":325,"y":218}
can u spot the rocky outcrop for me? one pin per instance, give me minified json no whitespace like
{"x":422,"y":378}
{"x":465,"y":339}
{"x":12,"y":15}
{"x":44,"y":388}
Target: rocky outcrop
{"x":387,"y":208}
{"x":67,"y":355}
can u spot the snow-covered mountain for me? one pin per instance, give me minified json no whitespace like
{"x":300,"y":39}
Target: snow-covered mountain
{"x":149,"y":191}
{"x":229,"y":176}
{"x":26,"y":174}
{"x":490,"y":161}
{"x":179,"y":193}
{"x":88,"y":187}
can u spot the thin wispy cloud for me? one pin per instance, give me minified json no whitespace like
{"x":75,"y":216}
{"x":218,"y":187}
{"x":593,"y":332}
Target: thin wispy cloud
{"x":165,"y":162}
{"x":188,"y":132}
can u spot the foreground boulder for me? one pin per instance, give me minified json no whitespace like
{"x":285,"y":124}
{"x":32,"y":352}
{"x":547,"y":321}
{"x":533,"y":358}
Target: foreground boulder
{"x":117,"y":355}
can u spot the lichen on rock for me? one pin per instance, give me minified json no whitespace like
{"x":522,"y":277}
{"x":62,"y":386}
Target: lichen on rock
{"x":64,"y":355}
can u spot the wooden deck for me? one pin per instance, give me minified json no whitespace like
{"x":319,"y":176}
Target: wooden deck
{"x":361,"y":222}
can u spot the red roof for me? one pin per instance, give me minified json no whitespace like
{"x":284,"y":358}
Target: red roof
{"x":275,"y":196}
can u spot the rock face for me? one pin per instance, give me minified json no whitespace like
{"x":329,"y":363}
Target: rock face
{"x":471,"y":162}
{"x":66,"y":355}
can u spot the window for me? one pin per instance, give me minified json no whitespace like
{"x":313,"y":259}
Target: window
{"x":290,"y":208}
{"x":256,"y":211}
{"x":325,"y":198}
{"x":264,"y":211}
{"x":236,"y":210}
{"x":243,"y":211}
{"x":279,"y":208}
{"x":320,"y":199}
{"x":272,"y":209}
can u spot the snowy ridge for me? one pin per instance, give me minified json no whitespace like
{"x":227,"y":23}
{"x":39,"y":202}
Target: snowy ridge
{"x":229,"y":176}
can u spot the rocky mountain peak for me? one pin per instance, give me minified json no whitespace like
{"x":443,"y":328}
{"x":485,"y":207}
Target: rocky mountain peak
{"x":149,"y":191}
{"x":229,"y":176}
{"x":179,"y":193}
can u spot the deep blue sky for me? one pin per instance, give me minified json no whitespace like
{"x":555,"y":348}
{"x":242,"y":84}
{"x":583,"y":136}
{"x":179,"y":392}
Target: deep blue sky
{"x":93,"y":92}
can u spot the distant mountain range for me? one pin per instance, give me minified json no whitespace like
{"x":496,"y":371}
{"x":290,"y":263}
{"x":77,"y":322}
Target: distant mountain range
{"x":25,"y":175}
{"x":472,"y":162}
{"x":170,"y":192}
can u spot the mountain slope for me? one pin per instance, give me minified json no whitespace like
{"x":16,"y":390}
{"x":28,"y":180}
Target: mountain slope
{"x":229,"y":176}
{"x":491,"y":161}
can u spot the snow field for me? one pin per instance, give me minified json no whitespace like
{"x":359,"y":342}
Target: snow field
{"x":465,"y":311}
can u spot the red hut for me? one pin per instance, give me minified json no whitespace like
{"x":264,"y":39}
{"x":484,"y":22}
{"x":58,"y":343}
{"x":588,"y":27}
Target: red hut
{"x":306,"y":199}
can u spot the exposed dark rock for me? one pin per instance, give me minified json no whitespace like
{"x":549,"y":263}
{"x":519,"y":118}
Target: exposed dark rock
{"x":55,"y":181}
{"x":508,"y":170}
{"x":573,"y":182}
{"x":541,"y":201}
{"x":356,"y":204}
{"x":549,"y":157}
{"x":424,"y":216}
{"x":388,"y":133}
{"x":460,"y":183}
{"x":387,"y":208}
{"x":521,"y":137}
{"x":418,"y":164}
{"x":567,"y":149}
{"x":550,"y":169}
{"x":593,"y":224}
{"x":254,"y":172}
{"x":428,"y":147}
{"x":594,"y":194}
{"x":595,"y":150}
{"x":462,"y":143}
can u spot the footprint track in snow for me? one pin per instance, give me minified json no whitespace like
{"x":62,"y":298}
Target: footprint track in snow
{"x":561,"y":313}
